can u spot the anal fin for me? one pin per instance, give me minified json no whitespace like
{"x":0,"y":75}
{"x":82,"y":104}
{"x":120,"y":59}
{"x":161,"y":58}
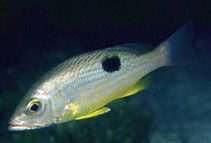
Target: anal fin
{"x":95,"y":113}
{"x":142,"y":84}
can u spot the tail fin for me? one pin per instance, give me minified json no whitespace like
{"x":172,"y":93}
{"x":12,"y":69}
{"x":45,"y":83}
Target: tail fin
{"x":179,"y":47}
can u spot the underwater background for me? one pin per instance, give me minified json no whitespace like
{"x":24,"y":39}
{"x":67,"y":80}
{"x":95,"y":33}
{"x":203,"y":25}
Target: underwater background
{"x":37,"y":35}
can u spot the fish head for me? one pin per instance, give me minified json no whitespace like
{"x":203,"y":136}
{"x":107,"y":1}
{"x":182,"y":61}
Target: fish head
{"x":33,"y":112}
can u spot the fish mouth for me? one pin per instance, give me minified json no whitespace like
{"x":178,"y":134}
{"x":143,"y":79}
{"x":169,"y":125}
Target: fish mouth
{"x":21,"y":127}
{"x":17,"y":127}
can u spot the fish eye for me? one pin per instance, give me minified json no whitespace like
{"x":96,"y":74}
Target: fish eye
{"x":34,"y":106}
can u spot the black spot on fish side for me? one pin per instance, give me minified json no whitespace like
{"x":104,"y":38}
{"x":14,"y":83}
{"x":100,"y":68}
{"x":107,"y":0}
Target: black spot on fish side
{"x":111,"y":64}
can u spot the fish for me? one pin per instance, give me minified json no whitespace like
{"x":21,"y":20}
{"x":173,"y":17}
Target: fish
{"x":82,"y":86}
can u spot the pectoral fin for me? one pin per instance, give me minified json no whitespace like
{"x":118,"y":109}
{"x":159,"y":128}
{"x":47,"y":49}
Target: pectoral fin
{"x":142,"y":84}
{"x":95,"y":113}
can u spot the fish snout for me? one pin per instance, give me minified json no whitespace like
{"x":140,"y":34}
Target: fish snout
{"x":17,"y":125}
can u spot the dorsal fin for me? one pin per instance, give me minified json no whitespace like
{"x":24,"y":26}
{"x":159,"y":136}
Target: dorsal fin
{"x":140,"y":48}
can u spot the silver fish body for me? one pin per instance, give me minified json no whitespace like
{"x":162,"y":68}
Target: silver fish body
{"x":84,"y":83}
{"x":81,"y":86}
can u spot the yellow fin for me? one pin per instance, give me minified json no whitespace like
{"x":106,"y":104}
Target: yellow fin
{"x":142,"y":84}
{"x":95,"y":113}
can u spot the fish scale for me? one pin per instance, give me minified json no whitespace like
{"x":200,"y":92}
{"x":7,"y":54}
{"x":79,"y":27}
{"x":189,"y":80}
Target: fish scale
{"x":91,"y":92}
{"x":104,"y":91}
